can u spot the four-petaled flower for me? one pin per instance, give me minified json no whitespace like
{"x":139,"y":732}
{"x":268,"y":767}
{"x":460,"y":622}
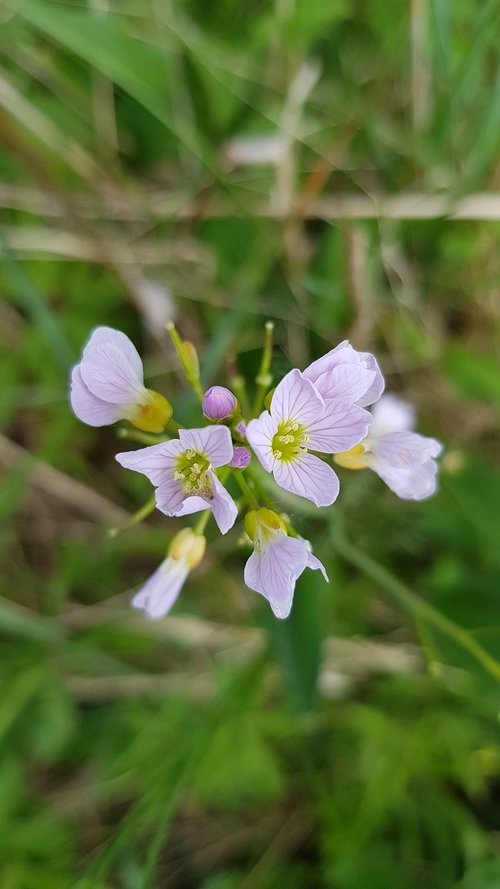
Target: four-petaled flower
{"x":182,"y":471}
{"x":299,"y":421}
{"x":404,"y":460}
{"x":157,"y":596}
{"x":318,"y":410}
{"x":108,"y":385}
{"x":277,"y":560}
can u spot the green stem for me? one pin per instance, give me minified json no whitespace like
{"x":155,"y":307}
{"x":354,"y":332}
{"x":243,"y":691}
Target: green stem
{"x":146,"y":438}
{"x":201,"y":524}
{"x":247,"y":491}
{"x":264,"y":378}
{"x":418,"y":606}
{"x":137,"y":517}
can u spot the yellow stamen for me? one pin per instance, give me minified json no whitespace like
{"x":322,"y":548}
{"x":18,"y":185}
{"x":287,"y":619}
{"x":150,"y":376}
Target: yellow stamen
{"x":289,"y":440}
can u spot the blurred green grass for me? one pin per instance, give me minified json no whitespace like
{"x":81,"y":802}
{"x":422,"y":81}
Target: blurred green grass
{"x":133,"y":189}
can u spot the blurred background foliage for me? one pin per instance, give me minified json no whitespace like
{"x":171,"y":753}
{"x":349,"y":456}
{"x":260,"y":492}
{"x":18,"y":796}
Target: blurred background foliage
{"x":332,"y":165}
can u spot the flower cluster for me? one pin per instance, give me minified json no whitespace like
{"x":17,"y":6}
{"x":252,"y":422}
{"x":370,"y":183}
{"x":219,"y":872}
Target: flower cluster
{"x":312,"y":413}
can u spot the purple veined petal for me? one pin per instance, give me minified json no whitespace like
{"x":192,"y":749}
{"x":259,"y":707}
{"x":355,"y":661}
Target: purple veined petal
{"x":316,"y":564}
{"x":416,"y":483}
{"x":347,"y":382}
{"x":87,"y":407}
{"x":342,"y":426}
{"x":377,"y":387}
{"x":260,"y":434}
{"x":308,"y":477}
{"x":223,"y":506}
{"x":213,"y":441}
{"x":273,"y":571}
{"x":190,"y":504}
{"x":109,"y":336}
{"x":156,"y":462}
{"x":341,"y":354}
{"x":109,"y":374}
{"x":160,"y":592}
{"x":392,"y":414}
{"x":296,"y":398}
{"x":403,"y":450}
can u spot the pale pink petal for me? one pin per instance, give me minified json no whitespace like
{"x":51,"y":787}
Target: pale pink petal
{"x":170,"y":495}
{"x":341,"y":354}
{"x":190,"y":504}
{"x":108,"y":336}
{"x":309,"y":477}
{"x":316,"y":565}
{"x":415,"y":483}
{"x":273,"y":571}
{"x":342,"y":426}
{"x":213,"y":441}
{"x":222,"y":505}
{"x":88,"y":407}
{"x":378,"y":385}
{"x":160,"y":592}
{"x":157,"y":462}
{"x":260,"y":434}
{"x":109,"y":374}
{"x":347,"y":382}
{"x":392,"y":414}
{"x":296,"y":398}
{"x":405,"y":449}
{"x":344,"y":354}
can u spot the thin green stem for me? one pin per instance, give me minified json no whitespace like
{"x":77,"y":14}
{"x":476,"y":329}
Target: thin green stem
{"x":247,"y":491}
{"x":418,"y":606}
{"x":201,"y":524}
{"x":137,"y":517}
{"x":264,"y":378}
{"x":146,"y":438}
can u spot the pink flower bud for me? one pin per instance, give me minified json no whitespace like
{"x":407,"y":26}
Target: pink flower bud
{"x":218,"y":403}
{"x":241,"y":428}
{"x":241,"y":458}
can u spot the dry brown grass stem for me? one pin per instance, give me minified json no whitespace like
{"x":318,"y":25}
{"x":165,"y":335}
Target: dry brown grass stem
{"x":161,"y":205}
{"x":56,"y":484}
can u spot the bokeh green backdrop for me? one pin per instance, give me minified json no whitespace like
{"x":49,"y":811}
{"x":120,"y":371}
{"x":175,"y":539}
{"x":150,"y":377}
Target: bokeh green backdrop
{"x":331,"y":165}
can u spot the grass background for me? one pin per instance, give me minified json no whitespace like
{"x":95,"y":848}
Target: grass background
{"x":333,"y":166}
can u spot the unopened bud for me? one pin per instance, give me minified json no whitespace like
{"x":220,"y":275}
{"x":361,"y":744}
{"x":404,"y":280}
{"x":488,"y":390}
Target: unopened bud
{"x":241,"y":429}
{"x":218,"y":403}
{"x":153,"y":414}
{"x":188,"y":547}
{"x":241,"y":457}
{"x":190,"y":359}
{"x":264,"y":520}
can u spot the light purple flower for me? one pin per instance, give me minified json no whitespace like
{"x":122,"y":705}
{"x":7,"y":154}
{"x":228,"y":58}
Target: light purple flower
{"x":218,"y":403}
{"x":277,"y":560}
{"x":300,"y":420}
{"x":348,"y":375}
{"x":404,"y":460}
{"x":182,"y":471}
{"x":241,"y":457}
{"x":108,"y":385}
{"x":161,"y":590}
